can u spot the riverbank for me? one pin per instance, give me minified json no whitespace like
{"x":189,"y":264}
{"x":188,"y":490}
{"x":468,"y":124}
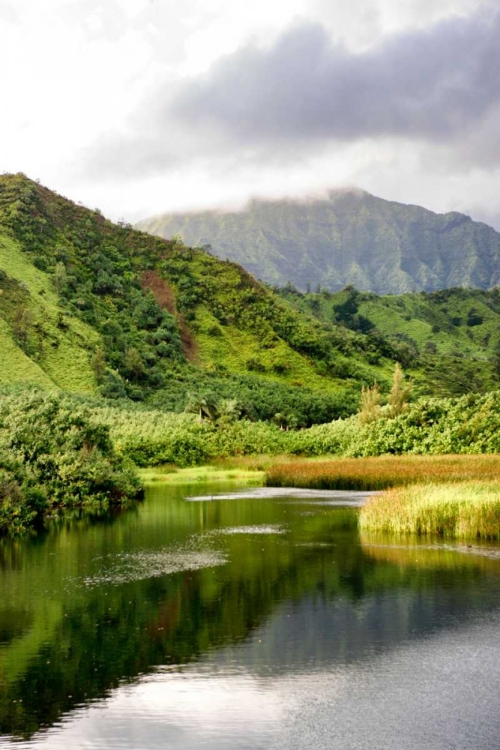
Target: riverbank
{"x":454,"y":496}
{"x":200,"y":474}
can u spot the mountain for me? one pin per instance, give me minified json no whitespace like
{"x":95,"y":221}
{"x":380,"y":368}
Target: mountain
{"x":350,"y":237}
{"x":104,"y":310}
{"x":93,"y":307}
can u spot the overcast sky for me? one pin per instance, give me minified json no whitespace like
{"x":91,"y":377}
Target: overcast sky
{"x":144,"y":106}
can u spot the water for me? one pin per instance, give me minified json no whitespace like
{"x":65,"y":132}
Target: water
{"x":246,"y":622}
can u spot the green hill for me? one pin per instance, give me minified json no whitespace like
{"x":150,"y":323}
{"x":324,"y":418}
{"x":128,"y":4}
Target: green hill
{"x":351,"y":237}
{"x":92,"y":307}
{"x":103,"y":310}
{"x":450,"y":338}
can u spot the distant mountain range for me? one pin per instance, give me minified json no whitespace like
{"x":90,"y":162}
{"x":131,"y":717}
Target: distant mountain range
{"x":348,"y":238}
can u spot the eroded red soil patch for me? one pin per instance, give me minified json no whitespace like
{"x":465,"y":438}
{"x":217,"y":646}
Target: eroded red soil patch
{"x":164,"y":295}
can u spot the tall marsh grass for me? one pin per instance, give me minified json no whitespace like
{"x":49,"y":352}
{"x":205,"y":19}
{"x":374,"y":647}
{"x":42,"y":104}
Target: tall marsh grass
{"x":382,"y":472}
{"x":468,"y":510}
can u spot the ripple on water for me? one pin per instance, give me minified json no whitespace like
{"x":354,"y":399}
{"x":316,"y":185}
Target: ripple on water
{"x":262,"y":529}
{"x":138,"y":566}
{"x":464,"y":549}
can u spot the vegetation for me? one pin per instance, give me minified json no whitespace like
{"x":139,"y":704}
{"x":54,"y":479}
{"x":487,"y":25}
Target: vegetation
{"x":94,"y":307}
{"x":371,"y":400}
{"x":448,"y":341}
{"x":382,"y":472}
{"x":470,"y":424}
{"x":150,"y":437}
{"x":349,"y":237}
{"x":205,"y":474}
{"x":467,"y":510}
{"x":54,"y":456}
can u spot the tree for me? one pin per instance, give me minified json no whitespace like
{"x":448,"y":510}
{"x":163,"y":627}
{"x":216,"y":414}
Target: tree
{"x":134,"y":364}
{"x":60,"y":277}
{"x":22,"y":326}
{"x":206,"y":406}
{"x":230,"y":410}
{"x":98,"y":364}
{"x":400,"y":392}
{"x":371,"y":400}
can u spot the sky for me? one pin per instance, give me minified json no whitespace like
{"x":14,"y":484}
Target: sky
{"x":139,"y":107}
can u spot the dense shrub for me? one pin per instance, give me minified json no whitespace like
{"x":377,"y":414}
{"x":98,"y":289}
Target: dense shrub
{"x":54,"y":455}
{"x":153,"y":438}
{"x":470,"y":424}
{"x":261,"y":399}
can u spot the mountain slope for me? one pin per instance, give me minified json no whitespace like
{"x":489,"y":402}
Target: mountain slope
{"x":351,"y":237}
{"x":450,"y":337}
{"x":90,"y":306}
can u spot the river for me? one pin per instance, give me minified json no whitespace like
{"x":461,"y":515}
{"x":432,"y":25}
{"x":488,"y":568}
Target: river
{"x":208,"y":618}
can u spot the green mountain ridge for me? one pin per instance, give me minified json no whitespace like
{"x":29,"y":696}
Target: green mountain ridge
{"x":350,"y":237}
{"x":92,"y":307}
{"x":103,"y":310}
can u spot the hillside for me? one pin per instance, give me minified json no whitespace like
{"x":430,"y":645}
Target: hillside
{"x":351,"y":237}
{"x":450,"y":337}
{"x":91,"y":307}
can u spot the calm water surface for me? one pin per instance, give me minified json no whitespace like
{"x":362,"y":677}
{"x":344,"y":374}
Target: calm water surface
{"x":247,"y":622}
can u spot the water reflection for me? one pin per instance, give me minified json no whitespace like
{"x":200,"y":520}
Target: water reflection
{"x":204,"y":623}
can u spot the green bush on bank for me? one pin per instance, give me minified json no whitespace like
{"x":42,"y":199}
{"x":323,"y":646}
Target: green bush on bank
{"x":54,"y":455}
{"x":470,"y":424}
{"x":155,"y":438}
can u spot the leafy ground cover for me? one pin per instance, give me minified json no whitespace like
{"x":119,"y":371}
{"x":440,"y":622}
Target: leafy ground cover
{"x":470,"y":424}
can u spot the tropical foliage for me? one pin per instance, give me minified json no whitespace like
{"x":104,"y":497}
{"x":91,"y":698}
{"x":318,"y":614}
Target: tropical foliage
{"x":53,"y":456}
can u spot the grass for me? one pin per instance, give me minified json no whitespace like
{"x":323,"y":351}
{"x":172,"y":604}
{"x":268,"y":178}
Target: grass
{"x":16,"y":365}
{"x":171,"y":475}
{"x":382,"y":472}
{"x":469,"y":510}
{"x":243,"y":469}
{"x":391,"y":315}
{"x":65,"y":361}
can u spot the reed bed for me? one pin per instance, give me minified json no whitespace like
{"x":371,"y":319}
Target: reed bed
{"x":469,"y":510}
{"x":383,"y":472}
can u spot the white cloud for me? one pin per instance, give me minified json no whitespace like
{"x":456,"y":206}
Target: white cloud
{"x":83,"y":71}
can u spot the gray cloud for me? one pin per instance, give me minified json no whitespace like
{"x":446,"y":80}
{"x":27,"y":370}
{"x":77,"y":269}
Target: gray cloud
{"x":432,"y":93}
{"x":430,"y":84}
